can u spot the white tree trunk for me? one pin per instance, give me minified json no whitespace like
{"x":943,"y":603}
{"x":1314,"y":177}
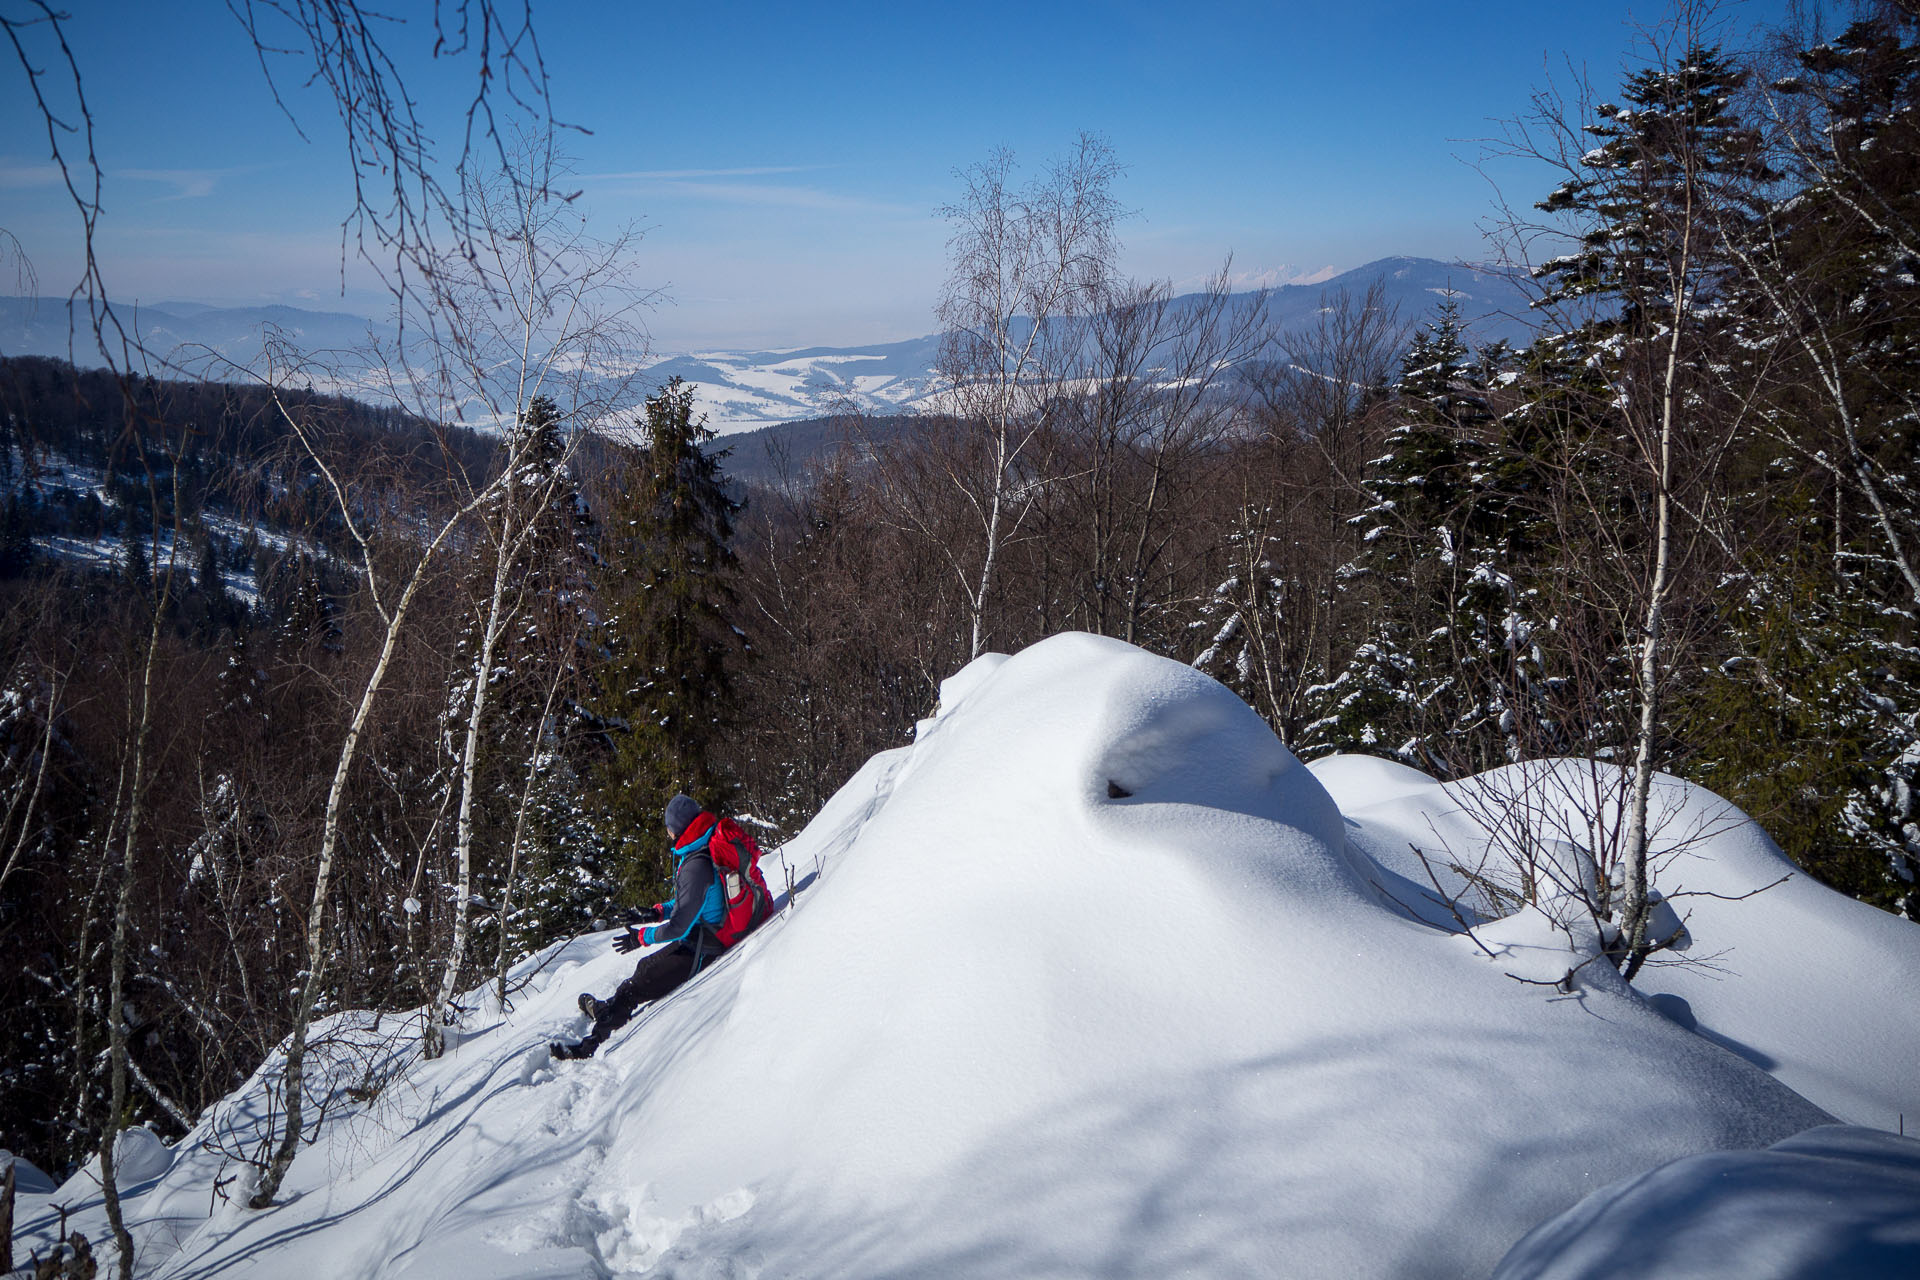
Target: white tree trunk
{"x":437,"y":1016}
{"x":294,"y":1078}
{"x":1634,"y":907}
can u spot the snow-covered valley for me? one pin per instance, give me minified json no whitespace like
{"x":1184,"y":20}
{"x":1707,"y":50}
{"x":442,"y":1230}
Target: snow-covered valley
{"x":1096,"y":978}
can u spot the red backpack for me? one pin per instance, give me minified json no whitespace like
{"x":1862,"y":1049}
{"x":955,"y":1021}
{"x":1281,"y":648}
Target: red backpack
{"x":736,"y":861}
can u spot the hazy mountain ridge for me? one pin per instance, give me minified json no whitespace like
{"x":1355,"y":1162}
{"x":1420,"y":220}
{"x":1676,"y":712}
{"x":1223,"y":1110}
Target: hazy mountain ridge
{"x":192,"y":334}
{"x":746,"y":390}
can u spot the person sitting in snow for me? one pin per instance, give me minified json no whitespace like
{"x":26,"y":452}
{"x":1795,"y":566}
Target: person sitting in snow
{"x":718,"y":898}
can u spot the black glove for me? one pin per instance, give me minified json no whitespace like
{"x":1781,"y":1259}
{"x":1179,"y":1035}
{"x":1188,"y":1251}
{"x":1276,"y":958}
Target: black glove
{"x":645,"y":915}
{"x":629,"y":940}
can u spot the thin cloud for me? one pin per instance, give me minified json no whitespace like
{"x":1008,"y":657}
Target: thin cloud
{"x":672,"y":175}
{"x":1282,"y":275}
{"x":187,"y":184}
{"x":712,"y":185}
{"x":19,"y":176}
{"x":775,"y":195}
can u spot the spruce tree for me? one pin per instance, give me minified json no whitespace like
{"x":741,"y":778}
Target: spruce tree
{"x":666,"y":689}
{"x":1673,"y":165}
{"x":1822,"y":669}
{"x":563,"y":873}
{"x":16,"y":538}
{"x":1445,"y":676}
{"x":1262,"y":627}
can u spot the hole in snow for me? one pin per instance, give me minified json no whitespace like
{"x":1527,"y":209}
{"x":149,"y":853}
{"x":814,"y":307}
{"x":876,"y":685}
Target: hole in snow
{"x":1115,"y":791}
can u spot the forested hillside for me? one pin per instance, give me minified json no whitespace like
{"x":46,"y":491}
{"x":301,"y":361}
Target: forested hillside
{"x":310,"y":705}
{"x":1678,"y":527}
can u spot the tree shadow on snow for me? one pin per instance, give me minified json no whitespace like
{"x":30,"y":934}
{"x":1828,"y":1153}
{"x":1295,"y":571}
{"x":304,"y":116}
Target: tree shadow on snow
{"x":457,"y":1185}
{"x":1392,"y":1156}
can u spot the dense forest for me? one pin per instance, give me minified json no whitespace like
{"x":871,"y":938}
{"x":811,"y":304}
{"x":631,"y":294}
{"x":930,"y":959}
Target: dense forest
{"x":1678,"y":531}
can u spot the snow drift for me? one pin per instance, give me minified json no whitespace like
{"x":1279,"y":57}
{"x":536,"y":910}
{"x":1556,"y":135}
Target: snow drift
{"x":1807,"y":983}
{"x":1090,"y":980}
{"x":1841,"y":1202}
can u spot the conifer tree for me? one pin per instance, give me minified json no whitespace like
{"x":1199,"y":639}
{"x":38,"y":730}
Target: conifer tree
{"x":1446,"y":677}
{"x":1856,"y":254}
{"x":1676,"y":160}
{"x":1267,"y":634}
{"x":1675,"y":171}
{"x":515,"y":656}
{"x":16,"y":538}
{"x":1822,"y":649}
{"x":667,"y":687}
{"x":555,"y":868}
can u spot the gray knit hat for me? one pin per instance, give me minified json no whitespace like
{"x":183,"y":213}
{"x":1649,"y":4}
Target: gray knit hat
{"x":681,"y":810}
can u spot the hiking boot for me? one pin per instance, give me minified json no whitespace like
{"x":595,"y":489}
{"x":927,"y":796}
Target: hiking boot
{"x":590,"y":1006}
{"x":564,"y":1051}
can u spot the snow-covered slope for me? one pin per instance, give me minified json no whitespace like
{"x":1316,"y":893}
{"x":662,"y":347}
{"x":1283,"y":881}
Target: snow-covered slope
{"x":1088,"y":981}
{"x":747,"y":390}
{"x":1819,"y":989}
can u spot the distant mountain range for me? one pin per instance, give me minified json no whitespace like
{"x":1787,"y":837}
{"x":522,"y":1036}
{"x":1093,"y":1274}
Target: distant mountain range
{"x":198,"y":337}
{"x":745,"y":390}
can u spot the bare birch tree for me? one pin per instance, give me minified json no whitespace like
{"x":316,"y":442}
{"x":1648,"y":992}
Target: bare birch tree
{"x":1646,"y":185}
{"x":1027,"y":263}
{"x":1157,"y":390}
{"x":560,"y":324}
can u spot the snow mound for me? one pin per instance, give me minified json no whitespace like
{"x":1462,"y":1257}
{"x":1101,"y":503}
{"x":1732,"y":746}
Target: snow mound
{"x":1834,"y":1203}
{"x":1094,"y":978}
{"x":28,"y":1180}
{"x":139,"y":1156}
{"x":1776,"y":968}
{"x":1363,"y":781}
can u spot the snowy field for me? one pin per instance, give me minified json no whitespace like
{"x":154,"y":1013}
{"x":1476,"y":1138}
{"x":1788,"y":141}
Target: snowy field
{"x":1096,"y":979}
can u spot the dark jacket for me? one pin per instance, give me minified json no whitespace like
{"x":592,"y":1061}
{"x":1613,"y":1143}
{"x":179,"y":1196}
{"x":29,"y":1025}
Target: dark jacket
{"x":699,"y":902}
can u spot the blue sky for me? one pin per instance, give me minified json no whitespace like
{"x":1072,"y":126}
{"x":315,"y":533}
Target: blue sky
{"x":786,"y":160}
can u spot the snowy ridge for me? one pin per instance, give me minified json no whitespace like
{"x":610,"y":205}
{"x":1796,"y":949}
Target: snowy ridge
{"x":747,"y":390}
{"x":1093,"y":979}
{"x":61,"y":482}
{"x":738,"y":390}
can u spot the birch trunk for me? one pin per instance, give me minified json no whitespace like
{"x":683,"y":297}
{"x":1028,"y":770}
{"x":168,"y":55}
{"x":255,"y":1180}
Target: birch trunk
{"x":978,"y":597}
{"x":117,"y":983}
{"x":436,"y":1042}
{"x":1635,"y":902}
{"x":294,"y":1078}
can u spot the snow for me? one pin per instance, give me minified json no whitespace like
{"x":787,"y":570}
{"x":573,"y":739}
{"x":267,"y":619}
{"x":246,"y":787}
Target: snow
{"x":27,"y":1177}
{"x":139,"y":1156}
{"x":1834,"y":1203}
{"x":1094,"y":978}
{"x":744,"y":391}
{"x":1809,"y":984}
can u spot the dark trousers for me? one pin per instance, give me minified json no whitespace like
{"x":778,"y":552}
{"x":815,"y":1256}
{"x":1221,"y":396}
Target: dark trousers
{"x":652,"y":978}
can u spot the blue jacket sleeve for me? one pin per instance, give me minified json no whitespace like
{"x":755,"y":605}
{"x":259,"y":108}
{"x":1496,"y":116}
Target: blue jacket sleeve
{"x":690,"y":885}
